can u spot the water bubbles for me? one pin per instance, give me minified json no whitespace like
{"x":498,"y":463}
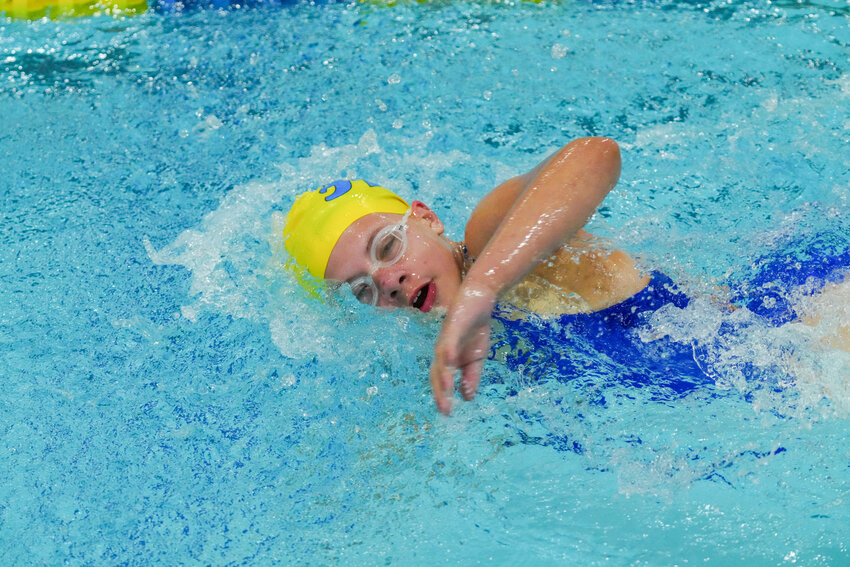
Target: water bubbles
{"x":559,"y":51}
{"x":394,"y":79}
{"x":212,"y":121}
{"x":771,"y":103}
{"x":790,"y":368}
{"x":189,"y":313}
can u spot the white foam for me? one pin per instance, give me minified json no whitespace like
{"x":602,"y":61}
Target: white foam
{"x":793,"y":369}
{"x":236,"y":256}
{"x":236,"y":259}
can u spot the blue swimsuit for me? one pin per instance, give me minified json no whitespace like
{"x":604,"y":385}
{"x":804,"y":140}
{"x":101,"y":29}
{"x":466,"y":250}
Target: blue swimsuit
{"x":574,"y":345}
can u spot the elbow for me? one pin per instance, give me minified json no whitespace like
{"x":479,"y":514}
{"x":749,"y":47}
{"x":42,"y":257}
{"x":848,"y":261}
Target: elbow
{"x":602,"y":157}
{"x":602,"y":148}
{"x":607,"y":146}
{"x":609,"y":152}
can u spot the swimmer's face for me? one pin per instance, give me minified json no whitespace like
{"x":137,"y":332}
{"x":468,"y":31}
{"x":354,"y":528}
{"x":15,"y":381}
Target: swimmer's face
{"x":427,"y":275}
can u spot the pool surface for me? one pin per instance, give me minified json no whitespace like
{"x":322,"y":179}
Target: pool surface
{"x":172,"y":397}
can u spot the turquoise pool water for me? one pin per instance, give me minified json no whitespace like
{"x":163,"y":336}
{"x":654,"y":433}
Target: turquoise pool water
{"x":171,"y":397}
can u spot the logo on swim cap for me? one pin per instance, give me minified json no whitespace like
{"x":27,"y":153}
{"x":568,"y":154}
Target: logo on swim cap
{"x":340,"y":188}
{"x":318,"y":218}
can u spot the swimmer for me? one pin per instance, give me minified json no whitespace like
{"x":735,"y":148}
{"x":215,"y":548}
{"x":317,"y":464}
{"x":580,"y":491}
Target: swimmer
{"x":524,"y":244}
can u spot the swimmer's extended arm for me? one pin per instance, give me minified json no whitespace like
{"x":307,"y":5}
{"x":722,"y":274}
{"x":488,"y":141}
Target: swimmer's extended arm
{"x":511,"y":231}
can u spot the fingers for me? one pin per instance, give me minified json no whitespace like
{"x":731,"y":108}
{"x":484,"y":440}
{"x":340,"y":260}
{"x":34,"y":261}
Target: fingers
{"x":469,"y":359}
{"x":470,"y":378}
{"x":471,"y":375}
{"x":442,"y":384}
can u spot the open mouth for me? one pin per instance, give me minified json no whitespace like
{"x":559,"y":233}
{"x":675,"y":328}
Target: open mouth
{"x":424,"y":297}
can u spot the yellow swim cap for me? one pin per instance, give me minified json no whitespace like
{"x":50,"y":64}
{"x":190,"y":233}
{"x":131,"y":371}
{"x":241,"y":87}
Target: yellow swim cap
{"x":318,"y":218}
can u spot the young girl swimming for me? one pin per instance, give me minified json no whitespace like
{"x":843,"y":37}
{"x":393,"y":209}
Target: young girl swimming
{"x":523,"y":244}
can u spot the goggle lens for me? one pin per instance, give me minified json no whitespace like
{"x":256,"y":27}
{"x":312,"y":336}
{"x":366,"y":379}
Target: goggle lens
{"x":387,"y":248}
{"x":364,"y":290}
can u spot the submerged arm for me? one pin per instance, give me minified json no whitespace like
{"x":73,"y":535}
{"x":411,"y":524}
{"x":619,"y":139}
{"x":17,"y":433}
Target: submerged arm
{"x":512,"y":230}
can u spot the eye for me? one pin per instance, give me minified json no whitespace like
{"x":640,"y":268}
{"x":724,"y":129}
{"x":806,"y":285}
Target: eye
{"x":362,"y":291}
{"x":388,"y":247}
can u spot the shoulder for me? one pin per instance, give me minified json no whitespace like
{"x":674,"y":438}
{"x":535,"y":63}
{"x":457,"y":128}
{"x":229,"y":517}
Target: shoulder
{"x":489,"y":213}
{"x":598,"y":154}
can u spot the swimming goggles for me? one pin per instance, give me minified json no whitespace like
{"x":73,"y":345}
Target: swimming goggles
{"x":387,"y":248}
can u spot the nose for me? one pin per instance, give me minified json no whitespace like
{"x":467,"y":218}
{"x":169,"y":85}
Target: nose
{"x":390,"y":283}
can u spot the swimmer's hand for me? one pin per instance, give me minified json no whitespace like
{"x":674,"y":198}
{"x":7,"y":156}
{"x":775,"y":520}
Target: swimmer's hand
{"x":517,"y":225}
{"x":462,"y":345}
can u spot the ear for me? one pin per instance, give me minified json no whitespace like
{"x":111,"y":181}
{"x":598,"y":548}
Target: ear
{"x":420,"y":210}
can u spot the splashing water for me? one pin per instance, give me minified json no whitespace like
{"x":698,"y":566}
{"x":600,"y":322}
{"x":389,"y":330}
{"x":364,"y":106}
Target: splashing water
{"x":172,"y":395}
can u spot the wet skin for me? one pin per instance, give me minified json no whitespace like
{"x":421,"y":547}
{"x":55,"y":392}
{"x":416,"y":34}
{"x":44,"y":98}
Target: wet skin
{"x":526,"y":236}
{"x":517,"y":230}
{"x":427,"y":275}
{"x":580,"y":277}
